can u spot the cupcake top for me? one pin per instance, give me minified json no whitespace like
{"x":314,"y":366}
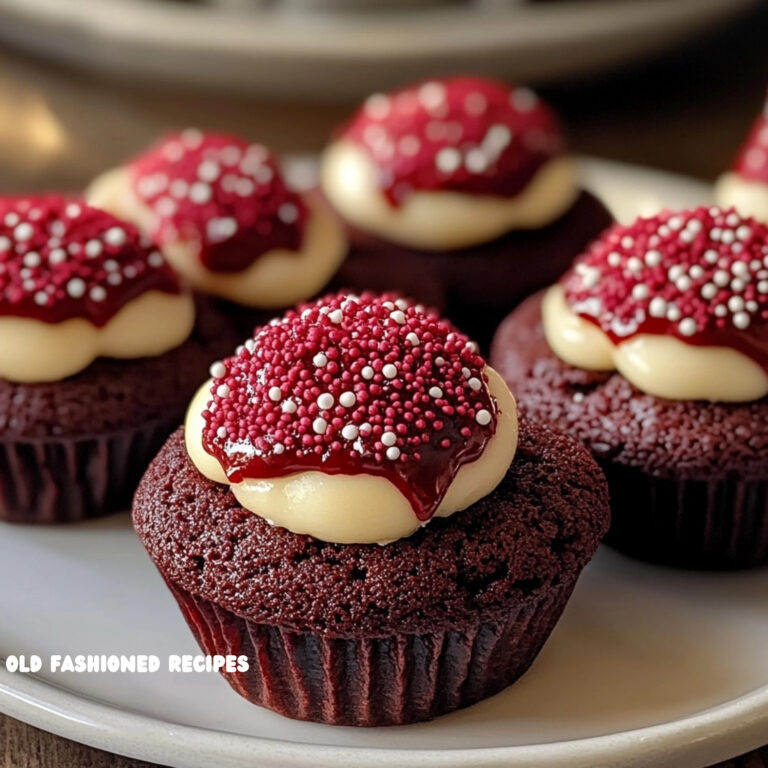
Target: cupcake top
{"x":465,"y":146}
{"x":354,"y":419}
{"x":677,"y":302}
{"x":76,"y":283}
{"x":745,"y":186}
{"x":222,"y":213}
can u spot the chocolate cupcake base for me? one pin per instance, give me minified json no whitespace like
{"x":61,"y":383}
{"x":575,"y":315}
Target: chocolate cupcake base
{"x":476,"y":287}
{"x":374,"y":681}
{"x":362,"y":634}
{"x":688,"y":480}
{"x":76,"y":449}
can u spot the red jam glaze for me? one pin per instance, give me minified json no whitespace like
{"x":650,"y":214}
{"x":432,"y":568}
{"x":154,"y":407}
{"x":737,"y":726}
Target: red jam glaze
{"x":220,"y":193}
{"x":61,"y":259}
{"x":752,"y":160}
{"x":699,"y":275}
{"x":464,"y":134}
{"x":350,"y":385}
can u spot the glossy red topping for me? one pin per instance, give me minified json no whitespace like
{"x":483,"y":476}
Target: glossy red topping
{"x":222,"y":194}
{"x":699,"y":275}
{"x":465,"y":134}
{"x":752,"y":160}
{"x":349,"y":385}
{"x":61,"y":259}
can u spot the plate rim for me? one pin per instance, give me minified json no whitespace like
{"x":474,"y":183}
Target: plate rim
{"x":716,"y":733}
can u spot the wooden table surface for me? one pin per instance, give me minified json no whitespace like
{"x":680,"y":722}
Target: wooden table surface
{"x":685,"y":113}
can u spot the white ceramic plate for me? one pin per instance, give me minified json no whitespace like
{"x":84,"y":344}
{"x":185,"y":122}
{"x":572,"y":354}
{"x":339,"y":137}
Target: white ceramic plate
{"x":648,"y":667}
{"x":274,"y":46}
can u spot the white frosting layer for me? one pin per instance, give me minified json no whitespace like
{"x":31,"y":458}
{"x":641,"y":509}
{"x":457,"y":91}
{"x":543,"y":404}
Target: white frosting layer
{"x":34,"y":351}
{"x":442,"y":220}
{"x":749,"y":198}
{"x":363,"y":508}
{"x":662,"y":366}
{"x":276,"y":279}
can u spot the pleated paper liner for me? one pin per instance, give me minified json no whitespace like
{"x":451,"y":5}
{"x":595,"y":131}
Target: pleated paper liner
{"x":66,"y":479}
{"x":375,"y":681}
{"x":715,"y":523}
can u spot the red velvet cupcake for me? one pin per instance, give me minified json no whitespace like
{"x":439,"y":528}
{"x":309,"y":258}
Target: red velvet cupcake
{"x":96,"y":359}
{"x":354,"y":507}
{"x":653,"y":351}
{"x":459,"y":192}
{"x":745,"y":186}
{"x":219,"y":209}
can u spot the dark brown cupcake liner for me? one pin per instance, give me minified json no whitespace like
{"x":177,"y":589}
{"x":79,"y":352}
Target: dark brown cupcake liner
{"x":715,"y":523}
{"x":66,"y":479}
{"x":375,"y":681}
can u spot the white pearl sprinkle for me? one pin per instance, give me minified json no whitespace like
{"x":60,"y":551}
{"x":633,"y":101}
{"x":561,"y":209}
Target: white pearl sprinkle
{"x":741,"y":320}
{"x":200,"y":193}
{"x":288,"y":213}
{"x":320,"y":360}
{"x":288,"y":406}
{"x":325,"y":401}
{"x":367,"y":372}
{"x":475,"y":383}
{"x":435,"y":392}
{"x":93,"y":248}
{"x":640,"y":292}
{"x":221,"y":229}
{"x":736,"y":303}
{"x":208,"y":170}
{"x":347,"y":399}
{"x":319,"y":425}
{"x":673,"y":313}
{"x":5,"y":244}
{"x":721,"y":278}
{"x":483,"y":417}
{"x":448,"y":160}
{"x":708,"y":291}
{"x":24,"y":231}
{"x":222,"y":390}
{"x":398,"y":316}
{"x":76,"y":288}
{"x":350,"y":432}
{"x":278,"y":448}
{"x":687,"y":326}
{"x":336,"y":316}
{"x":217,"y":370}
{"x":221,"y":432}
{"x":275,"y":394}
{"x":393,"y":453}
{"x":653,"y":258}
{"x":389,"y":371}
{"x":98,"y":293}
{"x":388,"y":438}
{"x":115,"y":236}
{"x":413,"y":339}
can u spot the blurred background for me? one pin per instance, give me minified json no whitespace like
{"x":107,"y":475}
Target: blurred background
{"x":667,"y":83}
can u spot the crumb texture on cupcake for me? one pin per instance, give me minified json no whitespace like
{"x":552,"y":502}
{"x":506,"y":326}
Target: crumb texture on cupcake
{"x":223,"y":215}
{"x":534,"y":532}
{"x":449,"y":163}
{"x":76,"y":284}
{"x":350,"y":403}
{"x":677,"y":303}
{"x":745,"y":186}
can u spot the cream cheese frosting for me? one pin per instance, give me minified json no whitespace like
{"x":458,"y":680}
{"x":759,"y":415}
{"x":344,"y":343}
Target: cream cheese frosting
{"x":220,"y":212}
{"x":361,"y":508}
{"x":35,"y":351}
{"x":442,"y":220}
{"x":677,"y":303}
{"x":659,"y":365}
{"x":748,"y":196}
{"x":76,"y":284}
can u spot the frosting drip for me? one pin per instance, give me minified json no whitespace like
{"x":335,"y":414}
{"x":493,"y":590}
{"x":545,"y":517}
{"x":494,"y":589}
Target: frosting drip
{"x":220,"y":193}
{"x":61,"y":259}
{"x":353,"y":385}
{"x":700,"y":276}
{"x":462,"y":134}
